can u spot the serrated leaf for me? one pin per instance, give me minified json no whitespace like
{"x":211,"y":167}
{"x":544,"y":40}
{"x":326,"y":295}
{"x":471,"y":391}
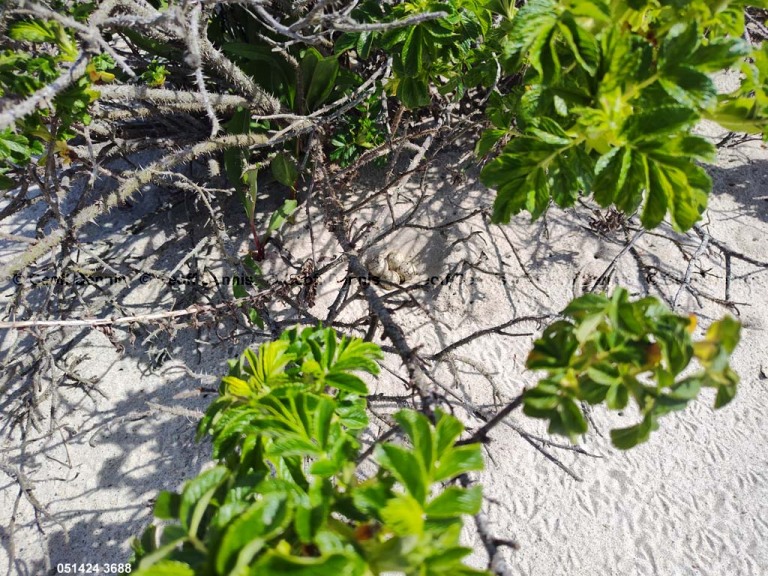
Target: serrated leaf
{"x":555,"y":347}
{"x":582,"y":44}
{"x":458,"y":460}
{"x":680,"y":42}
{"x":689,"y":87}
{"x":447,"y":430}
{"x":488,"y":140}
{"x":531,"y":30}
{"x":413,"y":54}
{"x":196,"y":489}
{"x":585,"y":305}
{"x":406,"y":467}
{"x":455,"y":501}
{"x":657,"y":197}
{"x":419,"y":431}
{"x":659,"y":121}
{"x":718,"y":54}
{"x":346,"y":382}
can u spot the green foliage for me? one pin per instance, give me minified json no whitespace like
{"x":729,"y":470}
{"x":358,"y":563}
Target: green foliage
{"x":612,"y":91}
{"x":359,"y":132}
{"x":155,"y":74}
{"x":25,"y":71}
{"x":286,"y":495}
{"x":442,"y":51}
{"x":614,"y":350}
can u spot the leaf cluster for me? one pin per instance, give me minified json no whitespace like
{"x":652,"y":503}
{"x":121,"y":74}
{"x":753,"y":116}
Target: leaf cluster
{"x":612,"y":90}
{"x":287,"y":495}
{"x":616,"y":351}
{"x":41,"y":50}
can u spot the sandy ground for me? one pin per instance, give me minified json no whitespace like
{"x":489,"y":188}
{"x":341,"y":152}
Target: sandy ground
{"x":691,"y":501}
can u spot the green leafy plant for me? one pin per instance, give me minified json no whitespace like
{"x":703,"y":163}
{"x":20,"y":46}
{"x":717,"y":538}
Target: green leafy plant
{"x":615,"y":351}
{"x":155,"y":74}
{"x":288,"y":495}
{"x":612,"y":90}
{"x":25,"y":71}
{"x":360,"y":132}
{"x":439,"y":51}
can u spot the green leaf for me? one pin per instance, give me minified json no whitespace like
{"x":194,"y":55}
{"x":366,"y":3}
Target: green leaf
{"x":718,"y":54}
{"x":617,"y":397}
{"x":586,"y":305}
{"x":284,"y":169}
{"x":555,"y":347}
{"x":727,"y":332}
{"x":406,"y":467}
{"x":416,"y":426}
{"x":250,"y":195}
{"x":724,"y":395}
{"x":248,"y":534}
{"x":413,"y":92}
{"x":320,"y":79}
{"x":447,"y":430}
{"x":629,"y":60}
{"x":346,"y":382}
{"x":626,"y":438}
{"x":404,"y":515}
{"x":454,"y":501}
{"x":280,"y":216}
{"x":659,"y":121}
{"x":357,"y":354}
{"x":321,"y":421}
{"x":488,"y":140}
{"x":167,"y":568}
{"x":264,"y":54}
{"x":33,"y":31}
{"x":275,"y":563}
{"x":372,"y":495}
{"x":657,"y":197}
{"x":689,"y":87}
{"x":239,"y":291}
{"x":458,"y":460}
{"x":679,"y":44}
{"x":572,"y":418}
{"x":541,"y":399}
{"x":255,"y":318}
{"x":413,"y":54}
{"x":7,"y":183}
{"x":531,"y":33}
{"x":687,"y":389}
{"x":167,"y":505}
{"x":196,"y":489}
{"x":582,"y":44}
